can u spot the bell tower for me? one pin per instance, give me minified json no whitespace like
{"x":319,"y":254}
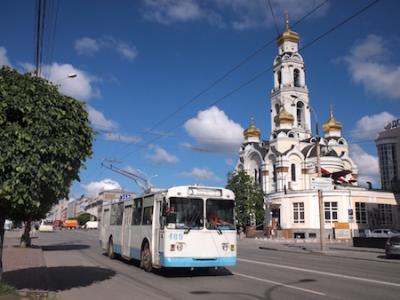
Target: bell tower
{"x":290,"y":89}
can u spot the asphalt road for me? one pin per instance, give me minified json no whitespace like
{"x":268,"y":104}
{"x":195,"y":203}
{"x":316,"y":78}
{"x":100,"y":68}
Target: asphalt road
{"x":78,"y":269}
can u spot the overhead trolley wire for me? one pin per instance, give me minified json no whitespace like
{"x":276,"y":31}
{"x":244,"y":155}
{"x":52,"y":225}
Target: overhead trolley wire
{"x":259,"y":74}
{"x":229,"y":72}
{"x":273,"y":16}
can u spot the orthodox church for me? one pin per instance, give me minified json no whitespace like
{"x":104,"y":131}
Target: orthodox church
{"x":286,"y":164}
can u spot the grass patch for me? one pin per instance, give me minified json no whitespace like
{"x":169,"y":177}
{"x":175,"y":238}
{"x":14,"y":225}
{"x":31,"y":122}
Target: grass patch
{"x":6,"y":289}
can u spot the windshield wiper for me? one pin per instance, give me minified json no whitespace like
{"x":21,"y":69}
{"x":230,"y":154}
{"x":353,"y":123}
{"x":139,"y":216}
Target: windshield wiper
{"x":187,"y":229}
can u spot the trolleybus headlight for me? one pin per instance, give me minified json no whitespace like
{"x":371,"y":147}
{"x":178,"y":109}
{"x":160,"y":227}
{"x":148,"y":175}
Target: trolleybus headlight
{"x":225,"y":246}
{"x":179,"y":246}
{"x":232,"y":247}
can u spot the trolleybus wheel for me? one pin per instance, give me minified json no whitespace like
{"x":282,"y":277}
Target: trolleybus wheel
{"x":146,"y":262}
{"x":110,"y":250}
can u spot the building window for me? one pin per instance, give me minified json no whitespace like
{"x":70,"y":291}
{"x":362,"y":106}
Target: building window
{"x":296,"y":77}
{"x":388,"y":165}
{"x":300,"y":114}
{"x":331,"y":212}
{"x":293,"y":171}
{"x":361,"y":213}
{"x":385,"y":214}
{"x":274,"y":173}
{"x":298,"y":212}
{"x":279,"y":78}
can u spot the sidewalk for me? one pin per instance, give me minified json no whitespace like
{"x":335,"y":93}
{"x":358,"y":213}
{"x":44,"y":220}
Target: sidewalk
{"x":343,"y":249}
{"x":24,"y":269}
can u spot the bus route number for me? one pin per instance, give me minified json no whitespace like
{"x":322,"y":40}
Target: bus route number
{"x":176,"y":236}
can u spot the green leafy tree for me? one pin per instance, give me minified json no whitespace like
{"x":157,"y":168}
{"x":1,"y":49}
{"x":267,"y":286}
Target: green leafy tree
{"x":84,"y":217}
{"x":249,"y":197}
{"x":45,"y":137}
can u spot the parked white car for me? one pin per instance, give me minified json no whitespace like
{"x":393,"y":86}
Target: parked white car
{"x":46,"y":226}
{"x":383,"y":232}
{"x":8,"y":225}
{"x":91,"y":225}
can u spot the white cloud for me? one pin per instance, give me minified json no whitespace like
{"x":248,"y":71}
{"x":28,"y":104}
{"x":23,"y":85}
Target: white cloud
{"x":80,"y":87}
{"x":89,"y":46}
{"x":171,"y":11}
{"x":99,"y":121}
{"x":214,"y":131}
{"x":126,"y":50}
{"x":86,"y":46}
{"x":95,"y":187}
{"x":200,"y":174}
{"x":369,"y":66}
{"x":161,"y":156}
{"x":124,"y":138}
{"x":368,"y":165}
{"x":4,"y":61}
{"x":369,"y":126}
{"x":239,"y":14}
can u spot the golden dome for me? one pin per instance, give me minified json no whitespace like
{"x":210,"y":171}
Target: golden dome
{"x":283,"y":116}
{"x":288,"y":35}
{"x":332,"y":124}
{"x":252,"y":131}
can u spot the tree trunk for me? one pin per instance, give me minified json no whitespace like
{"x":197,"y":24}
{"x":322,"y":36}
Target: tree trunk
{"x":26,"y":237}
{"x":2,"y":220}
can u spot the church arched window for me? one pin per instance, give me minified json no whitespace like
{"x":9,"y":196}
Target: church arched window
{"x":277,"y":108}
{"x":296,"y":77}
{"x":274,"y":173}
{"x":293,"y":172}
{"x":300,"y":113}
{"x":255,"y":175}
{"x":279,"y":78}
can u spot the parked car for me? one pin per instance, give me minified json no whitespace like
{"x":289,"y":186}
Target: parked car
{"x":71,"y":224}
{"x":46,"y":226}
{"x":392,"y":246}
{"x":8,"y":224}
{"x":384,"y":232}
{"x":91,"y":225}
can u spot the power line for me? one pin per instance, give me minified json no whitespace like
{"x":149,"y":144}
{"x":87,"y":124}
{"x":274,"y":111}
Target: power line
{"x":258,"y":75}
{"x":273,"y":16}
{"x":231,"y":70}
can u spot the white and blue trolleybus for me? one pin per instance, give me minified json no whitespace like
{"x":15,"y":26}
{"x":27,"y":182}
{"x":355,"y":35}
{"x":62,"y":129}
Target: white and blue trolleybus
{"x":183,"y":226}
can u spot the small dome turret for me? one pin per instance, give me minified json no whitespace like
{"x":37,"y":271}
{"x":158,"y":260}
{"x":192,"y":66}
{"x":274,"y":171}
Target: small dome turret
{"x":283,"y":117}
{"x":332,"y":124}
{"x":252,"y":131}
{"x":288,"y":35}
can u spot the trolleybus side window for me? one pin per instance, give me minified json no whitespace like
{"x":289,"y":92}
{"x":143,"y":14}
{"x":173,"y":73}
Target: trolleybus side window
{"x":137,"y":211}
{"x":117,"y":210}
{"x":148,"y":215}
{"x":220,"y":214}
{"x":185,"y":213}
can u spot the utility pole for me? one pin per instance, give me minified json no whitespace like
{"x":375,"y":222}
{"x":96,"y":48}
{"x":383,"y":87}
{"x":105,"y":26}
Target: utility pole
{"x":320,"y":198}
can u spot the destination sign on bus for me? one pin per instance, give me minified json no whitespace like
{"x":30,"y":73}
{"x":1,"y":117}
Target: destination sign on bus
{"x":194,"y":191}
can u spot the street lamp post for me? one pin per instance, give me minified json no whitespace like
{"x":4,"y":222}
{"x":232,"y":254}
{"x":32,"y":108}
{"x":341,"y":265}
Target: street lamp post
{"x":71,"y":75}
{"x":320,"y":197}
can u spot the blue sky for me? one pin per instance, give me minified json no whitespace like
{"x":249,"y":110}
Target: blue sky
{"x":138,"y":61}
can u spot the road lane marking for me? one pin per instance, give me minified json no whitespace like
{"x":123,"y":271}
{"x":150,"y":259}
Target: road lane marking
{"x":281,"y":284}
{"x":320,"y":272}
